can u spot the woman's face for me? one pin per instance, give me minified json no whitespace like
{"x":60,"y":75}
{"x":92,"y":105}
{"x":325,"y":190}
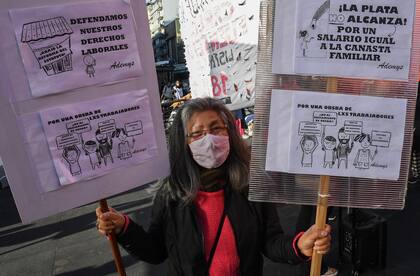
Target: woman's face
{"x":202,"y":123}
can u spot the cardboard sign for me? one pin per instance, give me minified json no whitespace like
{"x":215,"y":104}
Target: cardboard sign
{"x":107,"y":126}
{"x":325,"y":118}
{"x":66,"y":140}
{"x":80,"y":126}
{"x":310,"y":128}
{"x":353,"y":127}
{"x":134,"y":128}
{"x":381,"y":138}
{"x":57,"y":152}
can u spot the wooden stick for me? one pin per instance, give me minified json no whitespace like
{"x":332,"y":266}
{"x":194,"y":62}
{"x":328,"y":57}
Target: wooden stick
{"x":321,"y":217}
{"x":113,"y":241}
{"x":323,"y":194}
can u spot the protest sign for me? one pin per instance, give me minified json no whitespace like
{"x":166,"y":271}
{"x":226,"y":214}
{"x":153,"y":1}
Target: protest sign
{"x":347,"y":147}
{"x":221,"y":49}
{"x":310,"y":128}
{"x":381,"y":138}
{"x":64,"y":150}
{"x":346,"y":38}
{"x":337,"y":39}
{"x":353,"y":127}
{"x":69,"y":46}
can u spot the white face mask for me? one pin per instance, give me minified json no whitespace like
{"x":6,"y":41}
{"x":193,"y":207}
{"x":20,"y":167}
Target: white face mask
{"x":210,"y":151}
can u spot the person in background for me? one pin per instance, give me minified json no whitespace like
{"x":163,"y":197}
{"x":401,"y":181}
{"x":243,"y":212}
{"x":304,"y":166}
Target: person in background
{"x":202,"y":220}
{"x":178,"y":91}
{"x":167,"y":94}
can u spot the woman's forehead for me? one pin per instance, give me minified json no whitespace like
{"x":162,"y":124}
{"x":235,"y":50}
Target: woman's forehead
{"x":204,"y":118}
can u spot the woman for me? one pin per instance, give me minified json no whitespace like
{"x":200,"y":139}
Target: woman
{"x":124,"y":147}
{"x":202,"y":220}
{"x":364,"y":157}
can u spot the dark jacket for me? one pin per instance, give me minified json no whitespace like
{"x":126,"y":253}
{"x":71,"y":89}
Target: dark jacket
{"x":175,"y":234}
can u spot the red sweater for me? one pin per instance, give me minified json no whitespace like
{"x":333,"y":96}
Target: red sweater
{"x":209,"y":209}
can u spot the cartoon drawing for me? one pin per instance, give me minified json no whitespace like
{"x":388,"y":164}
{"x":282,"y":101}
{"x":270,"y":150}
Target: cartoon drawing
{"x":330,"y":154}
{"x":364,"y":157}
{"x":124,"y":147}
{"x":319,"y":13}
{"x":343,"y":147}
{"x":306,"y":35}
{"x":49,"y":41}
{"x":134,"y":128}
{"x":308,"y":144}
{"x":104,"y":146}
{"x":71,"y":154}
{"x":90,"y":63}
{"x":91,"y":149}
{"x":305,"y":39}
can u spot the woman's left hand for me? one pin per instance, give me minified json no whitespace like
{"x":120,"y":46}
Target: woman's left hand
{"x":315,"y":239}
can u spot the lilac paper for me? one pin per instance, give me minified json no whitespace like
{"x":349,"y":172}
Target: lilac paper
{"x":64,"y":47}
{"x":90,"y":139}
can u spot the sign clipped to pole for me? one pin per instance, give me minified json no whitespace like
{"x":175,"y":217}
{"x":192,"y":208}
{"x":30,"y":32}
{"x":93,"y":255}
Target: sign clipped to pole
{"x":80,"y":102}
{"x":338,"y":84}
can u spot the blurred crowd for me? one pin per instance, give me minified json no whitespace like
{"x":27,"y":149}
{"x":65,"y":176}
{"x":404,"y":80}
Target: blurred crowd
{"x":174,"y":91}
{"x":173,"y":95}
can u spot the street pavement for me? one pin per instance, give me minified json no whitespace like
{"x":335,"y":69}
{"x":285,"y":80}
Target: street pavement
{"x":68,"y":243}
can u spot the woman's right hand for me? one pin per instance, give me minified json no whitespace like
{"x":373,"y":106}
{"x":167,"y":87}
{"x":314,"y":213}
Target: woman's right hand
{"x":109,"y":221}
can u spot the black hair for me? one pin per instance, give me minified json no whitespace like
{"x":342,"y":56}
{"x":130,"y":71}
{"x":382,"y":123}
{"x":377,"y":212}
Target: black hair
{"x":330,"y":139}
{"x":360,"y":137}
{"x":184,"y":180}
{"x":117,"y":132}
{"x":90,"y":143}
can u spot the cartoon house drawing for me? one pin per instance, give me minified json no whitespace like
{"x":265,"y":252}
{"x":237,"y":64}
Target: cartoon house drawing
{"x":49,"y":40}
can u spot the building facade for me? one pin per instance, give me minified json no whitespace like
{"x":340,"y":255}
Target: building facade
{"x":168,"y":46}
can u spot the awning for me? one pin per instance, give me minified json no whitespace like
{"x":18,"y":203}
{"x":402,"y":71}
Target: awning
{"x":161,"y":63}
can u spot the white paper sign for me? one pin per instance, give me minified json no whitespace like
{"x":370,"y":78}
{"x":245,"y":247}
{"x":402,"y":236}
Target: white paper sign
{"x":348,"y":38}
{"x":221,"y":40}
{"x":335,"y":134}
{"x":70,"y":46}
{"x":92,"y":138}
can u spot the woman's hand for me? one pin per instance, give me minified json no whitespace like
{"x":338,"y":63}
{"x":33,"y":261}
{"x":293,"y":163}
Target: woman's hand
{"x":111,"y":220}
{"x":315,"y":239}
